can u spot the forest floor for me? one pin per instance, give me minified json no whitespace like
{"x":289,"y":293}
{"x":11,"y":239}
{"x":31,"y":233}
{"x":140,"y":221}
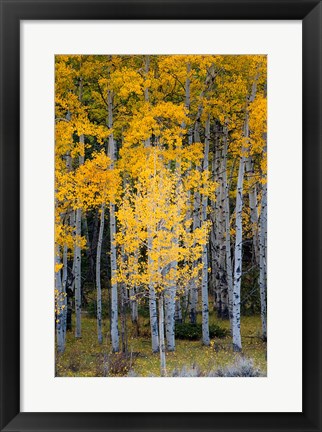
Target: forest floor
{"x":84,"y":357}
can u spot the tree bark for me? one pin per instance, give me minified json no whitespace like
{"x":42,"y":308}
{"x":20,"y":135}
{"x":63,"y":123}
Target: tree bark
{"x":237,"y":344}
{"x":114,"y":290}
{"x":152,"y":296}
{"x":89,"y":249}
{"x":60,"y":307}
{"x":252,"y":196}
{"x":153,"y":320}
{"x":163,"y":370}
{"x":64,"y":285}
{"x":98,"y":275}
{"x":193,"y":283}
{"x":204,"y":286}
{"x":170,"y":314}
{"x":133,"y":301}
{"x":226,"y":212}
{"x":263,"y":259}
{"x":78,"y":260}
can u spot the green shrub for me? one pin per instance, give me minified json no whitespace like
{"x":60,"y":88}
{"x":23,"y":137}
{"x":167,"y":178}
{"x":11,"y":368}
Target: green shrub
{"x":144,"y":311}
{"x":189,"y":331}
{"x":92,"y":308}
{"x":215,"y":331}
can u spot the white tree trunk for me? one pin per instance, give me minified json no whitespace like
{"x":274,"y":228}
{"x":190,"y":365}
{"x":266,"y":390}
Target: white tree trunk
{"x":178,"y":313}
{"x":72,"y":224}
{"x":163,"y":370}
{"x":193,"y":283}
{"x":60,"y":308}
{"x":134,"y":306}
{"x":204,"y":286}
{"x":237,"y":344}
{"x":114,"y":290}
{"x":98,"y":276}
{"x":153,"y":320}
{"x":187,"y":292}
{"x":133,"y":301}
{"x":252,"y":195}
{"x":214,"y":235}
{"x":222,"y":270}
{"x":153,"y":306}
{"x":226,"y":213}
{"x":88,"y":248}
{"x":262,"y":260}
{"x":152,"y":296}
{"x":171,"y":294}
{"x":64,"y":284}
{"x":78,"y":261}
{"x":170,"y":315}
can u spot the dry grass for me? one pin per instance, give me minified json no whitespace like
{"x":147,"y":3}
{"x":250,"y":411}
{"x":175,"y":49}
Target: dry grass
{"x":86,"y":358}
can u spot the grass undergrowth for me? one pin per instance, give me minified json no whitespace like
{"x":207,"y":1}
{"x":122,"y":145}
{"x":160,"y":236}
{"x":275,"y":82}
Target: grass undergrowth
{"x":84,"y":357}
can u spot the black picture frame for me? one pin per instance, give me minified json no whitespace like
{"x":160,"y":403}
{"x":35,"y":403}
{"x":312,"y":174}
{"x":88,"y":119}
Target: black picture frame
{"x":12,"y":12}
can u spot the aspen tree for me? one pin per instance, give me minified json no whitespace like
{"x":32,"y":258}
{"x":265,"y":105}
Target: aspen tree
{"x":114,"y":293}
{"x":152,"y":296}
{"x":237,"y":343}
{"x":204,"y":286}
{"x":98,"y":275}
{"x":182,"y":184}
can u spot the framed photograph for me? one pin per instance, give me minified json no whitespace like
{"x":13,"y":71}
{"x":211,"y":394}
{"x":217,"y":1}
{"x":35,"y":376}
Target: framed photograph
{"x":160,"y":215}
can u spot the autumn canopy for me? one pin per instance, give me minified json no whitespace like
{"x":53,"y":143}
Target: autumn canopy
{"x":160,"y":196}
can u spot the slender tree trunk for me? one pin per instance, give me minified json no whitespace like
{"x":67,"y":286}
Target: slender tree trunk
{"x":133,"y":301}
{"x":78,"y":261}
{"x":134,"y":306}
{"x":193,"y":282}
{"x":64,"y":284}
{"x":98,"y":275}
{"x":170,"y":315}
{"x":224,"y":261}
{"x":152,"y":299}
{"x":152,"y":296}
{"x":204,"y":286}
{"x":60,"y":308}
{"x":123,"y":319}
{"x":134,"y":311}
{"x":78,"y":292}
{"x":96,"y":223}
{"x":223,"y":284}
{"x":178,"y":313}
{"x":114,"y":290}
{"x":221,"y":273}
{"x":262,"y":260}
{"x":237,"y":344}
{"x":172,"y":290}
{"x":226,"y":212}
{"x":252,"y":194}
{"x":187,"y":291}
{"x":78,"y":252}
{"x":215,"y":233}
{"x":88,"y":250}
{"x":153,"y":319}
{"x":161,"y":332}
